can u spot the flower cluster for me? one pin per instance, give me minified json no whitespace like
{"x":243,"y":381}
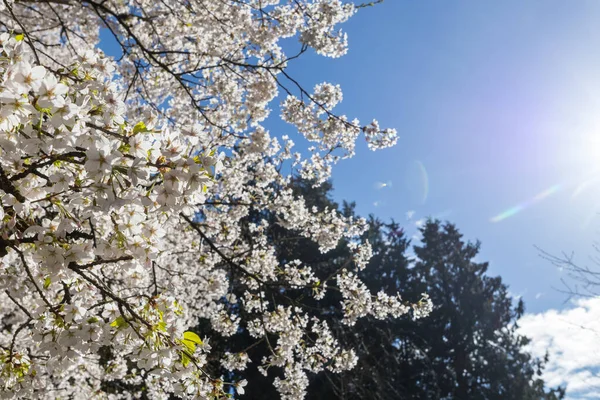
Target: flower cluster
{"x":138,"y":198}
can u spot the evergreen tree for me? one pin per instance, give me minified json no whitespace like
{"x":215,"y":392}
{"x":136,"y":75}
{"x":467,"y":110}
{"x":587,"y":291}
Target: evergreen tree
{"x":468,"y":348}
{"x":470,"y":345}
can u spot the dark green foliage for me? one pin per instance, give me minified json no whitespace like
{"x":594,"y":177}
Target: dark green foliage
{"x":467,"y":349}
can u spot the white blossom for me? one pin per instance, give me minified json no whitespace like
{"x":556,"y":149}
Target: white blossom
{"x":126,"y":188}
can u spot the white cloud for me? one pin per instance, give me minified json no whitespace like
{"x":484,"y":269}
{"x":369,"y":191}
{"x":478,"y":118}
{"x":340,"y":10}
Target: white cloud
{"x":517,"y":296}
{"x":410,"y":214}
{"x":572,"y":339}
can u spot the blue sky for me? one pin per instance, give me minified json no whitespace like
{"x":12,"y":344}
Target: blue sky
{"x":496,"y":104}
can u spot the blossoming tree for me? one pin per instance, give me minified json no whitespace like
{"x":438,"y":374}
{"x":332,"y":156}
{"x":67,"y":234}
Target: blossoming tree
{"x":123,"y":184}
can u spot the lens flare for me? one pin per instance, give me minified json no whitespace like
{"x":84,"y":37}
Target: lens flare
{"x":381,"y":185}
{"x":424,"y":181}
{"x":520,"y":207}
{"x":585,"y":185}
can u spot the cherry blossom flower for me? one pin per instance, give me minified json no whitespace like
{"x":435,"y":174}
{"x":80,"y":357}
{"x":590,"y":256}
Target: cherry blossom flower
{"x":137,"y":195}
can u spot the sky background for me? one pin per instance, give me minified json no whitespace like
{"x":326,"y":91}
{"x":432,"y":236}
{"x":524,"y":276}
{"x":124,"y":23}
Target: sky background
{"x":496,"y":104}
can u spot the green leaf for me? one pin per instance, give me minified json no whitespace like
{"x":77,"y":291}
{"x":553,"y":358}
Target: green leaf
{"x":190,"y":340}
{"x":192,"y":337}
{"x":119,"y":323}
{"x":47,"y":282}
{"x":140,"y":127}
{"x":19,"y":37}
{"x":185,"y":359}
{"x":189,"y":345}
{"x":125,"y":148}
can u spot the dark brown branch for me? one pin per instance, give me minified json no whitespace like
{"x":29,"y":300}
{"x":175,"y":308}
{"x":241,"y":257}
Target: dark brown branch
{"x":111,"y":295}
{"x":74,"y":265}
{"x":106,"y":131}
{"x":18,"y":304}
{"x":8,"y":187}
{"x":14,"y":338}
{"x":65,"y":2}
{"x":32,"y":279}
{"x":25,"y":32}
{"x":218,"y":251}
{"x":60,"y":157}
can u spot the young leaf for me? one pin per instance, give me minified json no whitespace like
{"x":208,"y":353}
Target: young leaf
{"x":192,"y":337}
{"x":190,"y":340}
{"x":119,"y":323}
{"x":185,"y":359}
{"x":140,"y":127}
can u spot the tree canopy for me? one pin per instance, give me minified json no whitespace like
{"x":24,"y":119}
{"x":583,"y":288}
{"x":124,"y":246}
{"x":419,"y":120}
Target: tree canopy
{"x":138,"y":196}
